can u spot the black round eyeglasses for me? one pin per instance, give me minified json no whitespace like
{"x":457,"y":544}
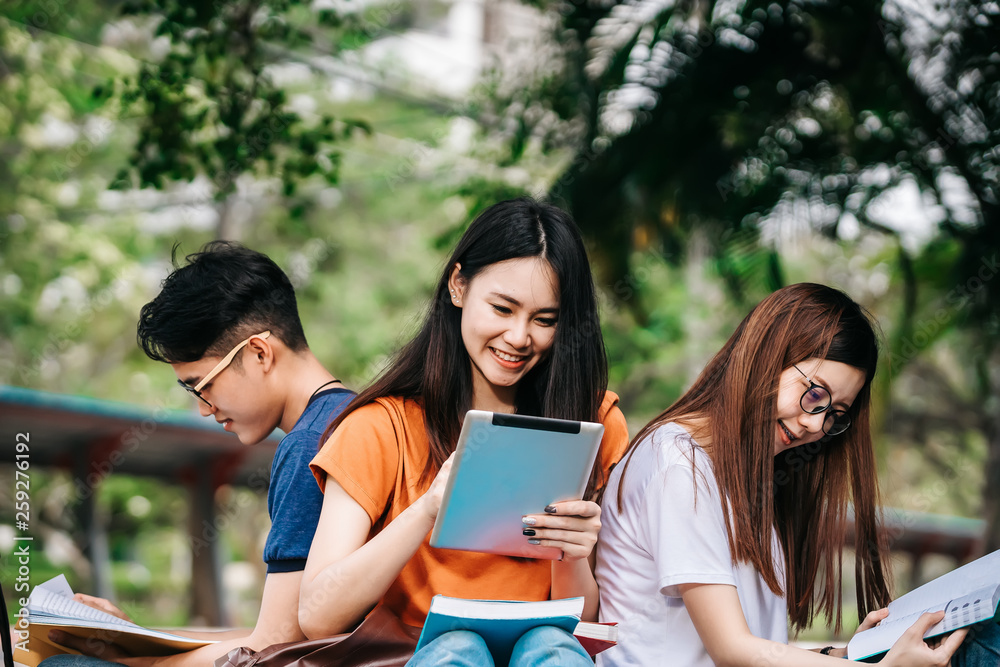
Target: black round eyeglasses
{"x":817,"y":399}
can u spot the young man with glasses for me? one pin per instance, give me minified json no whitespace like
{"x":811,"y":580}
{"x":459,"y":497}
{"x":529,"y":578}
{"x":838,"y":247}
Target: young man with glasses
{"x":228,"y":324}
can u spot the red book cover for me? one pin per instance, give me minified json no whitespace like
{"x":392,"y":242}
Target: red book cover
{"x":596,"y":637}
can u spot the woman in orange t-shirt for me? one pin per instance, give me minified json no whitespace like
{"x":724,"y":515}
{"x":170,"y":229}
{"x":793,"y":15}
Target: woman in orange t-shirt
{"x":512,"y":327}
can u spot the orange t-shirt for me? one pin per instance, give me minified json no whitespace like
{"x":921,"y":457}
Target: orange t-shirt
{"x":378,"y":454}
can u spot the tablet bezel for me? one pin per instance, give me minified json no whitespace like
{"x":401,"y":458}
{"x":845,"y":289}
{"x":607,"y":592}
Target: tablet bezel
{"x":493,"y":429}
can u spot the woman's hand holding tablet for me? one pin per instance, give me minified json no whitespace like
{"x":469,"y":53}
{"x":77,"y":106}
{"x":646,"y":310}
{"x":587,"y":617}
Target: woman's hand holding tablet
{"x":508,"y":467}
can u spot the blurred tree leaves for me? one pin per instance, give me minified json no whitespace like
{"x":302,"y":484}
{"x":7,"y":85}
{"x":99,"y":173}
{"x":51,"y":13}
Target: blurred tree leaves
{"x":697,"y":123}
{"x":210,"y":106}
{"x":695,"y":130}
{"x":64,"y":271}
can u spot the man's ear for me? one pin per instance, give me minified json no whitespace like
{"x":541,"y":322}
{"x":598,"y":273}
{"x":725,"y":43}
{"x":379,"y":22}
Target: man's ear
{"x":261,"y":351}
{"x":457,"y":285}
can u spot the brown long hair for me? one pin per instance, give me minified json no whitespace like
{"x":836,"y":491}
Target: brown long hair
{"x":805,"y":492}
{"x":434,"y":368}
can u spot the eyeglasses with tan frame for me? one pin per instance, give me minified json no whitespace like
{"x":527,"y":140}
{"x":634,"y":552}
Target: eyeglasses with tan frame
{"x":219,"y":367}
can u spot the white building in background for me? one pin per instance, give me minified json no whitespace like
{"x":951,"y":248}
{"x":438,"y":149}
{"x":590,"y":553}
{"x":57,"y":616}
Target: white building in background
{"x":449,"y":44}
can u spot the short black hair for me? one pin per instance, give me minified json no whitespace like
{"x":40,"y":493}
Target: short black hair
{"x":225,"y":294}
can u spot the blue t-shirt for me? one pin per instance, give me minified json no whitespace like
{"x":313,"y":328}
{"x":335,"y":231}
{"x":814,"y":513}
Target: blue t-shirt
{"x":293,"y":497}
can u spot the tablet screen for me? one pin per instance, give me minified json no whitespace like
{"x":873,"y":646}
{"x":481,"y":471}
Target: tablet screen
{"x":507,"y":466}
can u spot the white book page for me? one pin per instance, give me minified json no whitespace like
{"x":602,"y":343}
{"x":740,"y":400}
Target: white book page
{"x":57,"y":585}
{"x":51,"y":603}
{"x":971,"y":577}
{"x":46,"y":606}
{"x":596,"y":631}
{"x":972,"y":608}
{"x":506,"y":609}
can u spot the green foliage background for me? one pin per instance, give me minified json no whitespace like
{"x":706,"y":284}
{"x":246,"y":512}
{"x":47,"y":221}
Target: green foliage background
{"x":111,"y":155}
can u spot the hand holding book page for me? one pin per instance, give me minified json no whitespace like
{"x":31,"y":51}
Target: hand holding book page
{"x":51,"y":607}
{"x":967,"y":595}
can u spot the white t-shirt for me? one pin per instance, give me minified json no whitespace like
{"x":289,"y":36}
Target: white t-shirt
{"x":663,"y":538}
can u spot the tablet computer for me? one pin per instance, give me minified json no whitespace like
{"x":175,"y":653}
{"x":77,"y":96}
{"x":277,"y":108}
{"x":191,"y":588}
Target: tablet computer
{"x":507,"y":466}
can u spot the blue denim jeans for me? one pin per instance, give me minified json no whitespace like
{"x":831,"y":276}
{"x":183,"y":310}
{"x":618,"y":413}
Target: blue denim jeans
{"x":547,"y":646}
{"x":981,"y":647}
{"x":544,"y":646}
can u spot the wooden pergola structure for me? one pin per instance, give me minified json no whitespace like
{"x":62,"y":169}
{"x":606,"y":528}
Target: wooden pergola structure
{"x":919,"y":534}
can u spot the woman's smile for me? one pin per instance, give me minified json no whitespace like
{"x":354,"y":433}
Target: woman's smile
{"x":506,"y":360}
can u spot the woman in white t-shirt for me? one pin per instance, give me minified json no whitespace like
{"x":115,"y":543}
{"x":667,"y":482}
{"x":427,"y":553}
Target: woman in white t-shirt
{"x":726,"y":520}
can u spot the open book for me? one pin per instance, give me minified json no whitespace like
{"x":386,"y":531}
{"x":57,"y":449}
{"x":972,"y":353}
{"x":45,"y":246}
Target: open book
{"x":501,"y":622}
{"x":967,"y":595}
{"x":51,"y":606}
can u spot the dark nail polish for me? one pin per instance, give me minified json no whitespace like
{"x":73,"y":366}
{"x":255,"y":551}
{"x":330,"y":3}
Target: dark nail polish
{"x":550,"y":509}
{"x":528,"y":531}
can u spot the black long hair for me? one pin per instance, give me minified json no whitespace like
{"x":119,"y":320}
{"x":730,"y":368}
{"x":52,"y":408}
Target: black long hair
{"x":434,"y":367}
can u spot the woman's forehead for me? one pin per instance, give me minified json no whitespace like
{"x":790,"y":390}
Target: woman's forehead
{"x":522,"y":278}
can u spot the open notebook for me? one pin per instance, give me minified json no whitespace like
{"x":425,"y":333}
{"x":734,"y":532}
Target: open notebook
{"x":51,"y":606}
